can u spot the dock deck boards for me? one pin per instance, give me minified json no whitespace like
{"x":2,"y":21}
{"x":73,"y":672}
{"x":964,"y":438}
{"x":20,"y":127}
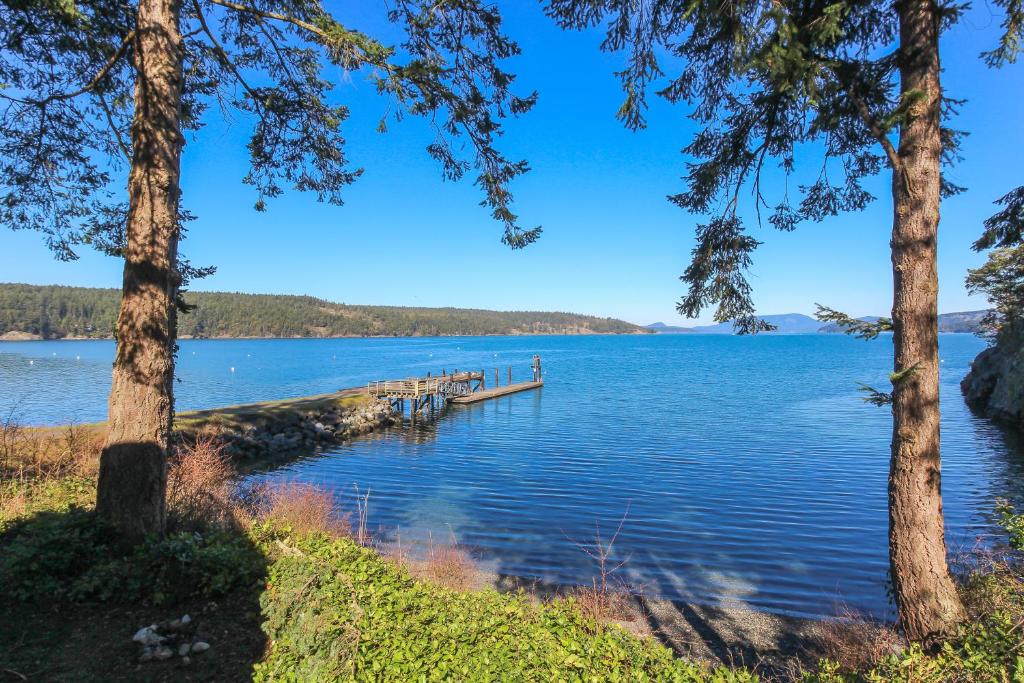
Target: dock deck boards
{"x":485,"y":394}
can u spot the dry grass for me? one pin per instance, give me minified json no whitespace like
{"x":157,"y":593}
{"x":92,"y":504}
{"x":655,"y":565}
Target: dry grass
{"x":444,"y":564}
{"x":607,"y":598}
{"x":604,"y":604}
{"x":200,"y":486}
{"x":856,"y":642}
{"x":994,"y":583}
{"x":47,"y":453}
{"x":307,"y":508}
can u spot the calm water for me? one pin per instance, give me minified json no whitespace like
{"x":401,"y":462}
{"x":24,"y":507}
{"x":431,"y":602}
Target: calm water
{"x":751,"y":470}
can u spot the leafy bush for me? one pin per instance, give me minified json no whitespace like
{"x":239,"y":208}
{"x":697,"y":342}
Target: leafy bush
{"x":182,"y":566}
{"x":1012,"y":522}
{"x":336,"y":610}
{"x":72,"y":555}
{"x":44,"y":556}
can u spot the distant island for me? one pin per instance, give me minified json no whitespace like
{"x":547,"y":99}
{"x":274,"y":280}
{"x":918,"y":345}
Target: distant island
{"x":58,"y":312}
{"x":798,"y":323}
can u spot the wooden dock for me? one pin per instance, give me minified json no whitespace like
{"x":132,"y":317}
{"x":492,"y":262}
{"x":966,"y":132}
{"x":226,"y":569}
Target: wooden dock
{"x":486,"y":394}
{"x":433,"y":393}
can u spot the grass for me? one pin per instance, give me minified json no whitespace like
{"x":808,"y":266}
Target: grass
{"x":285,"y":589}
{"x":51,"y":451}
{"x":256,"y":414}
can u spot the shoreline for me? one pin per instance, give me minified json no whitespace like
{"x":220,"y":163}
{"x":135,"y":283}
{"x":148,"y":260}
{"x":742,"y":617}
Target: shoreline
{"x":270,"y":433}
{"x":17,"y":336}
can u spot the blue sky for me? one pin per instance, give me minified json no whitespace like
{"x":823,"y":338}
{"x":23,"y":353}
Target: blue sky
{"x":612,"y":245}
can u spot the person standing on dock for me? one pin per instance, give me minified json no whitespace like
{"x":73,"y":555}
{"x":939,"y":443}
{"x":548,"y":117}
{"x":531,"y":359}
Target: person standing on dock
{"x":536,"y":368}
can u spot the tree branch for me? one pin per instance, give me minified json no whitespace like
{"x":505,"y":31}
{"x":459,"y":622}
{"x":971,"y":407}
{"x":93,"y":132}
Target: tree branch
{"x":272,"y":15}
{"x":114,"y":58}
{"x":876,"y":131}
{"x":113,"y":126}
{"x":222,"y":53}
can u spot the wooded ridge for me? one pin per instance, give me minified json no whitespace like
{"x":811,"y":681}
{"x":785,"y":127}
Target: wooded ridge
{"x":57,"y":312}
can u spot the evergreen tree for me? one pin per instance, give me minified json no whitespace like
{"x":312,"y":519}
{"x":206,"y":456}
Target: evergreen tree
{"x":91,"y":87}
{"x":1001,"y":278}
{"x":860,"y":80}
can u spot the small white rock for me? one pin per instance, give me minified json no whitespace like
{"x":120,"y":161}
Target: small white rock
{"x":200,"y":646}
{"x":147,"y":636}
{"x":163,"y":652}
{"x":184,"y":649}
{"x":185,"y":620}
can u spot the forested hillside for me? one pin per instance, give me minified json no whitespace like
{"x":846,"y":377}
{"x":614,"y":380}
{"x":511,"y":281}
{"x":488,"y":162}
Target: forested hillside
{"x":55,"y":312}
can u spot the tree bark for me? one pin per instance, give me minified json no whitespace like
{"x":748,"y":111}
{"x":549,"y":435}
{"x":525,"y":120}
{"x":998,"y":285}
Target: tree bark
{"x":928,"y":603}
{"x":133,"y":464}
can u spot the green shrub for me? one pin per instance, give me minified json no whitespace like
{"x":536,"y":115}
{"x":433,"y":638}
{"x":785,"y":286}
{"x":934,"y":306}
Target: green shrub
{"x":73,"y":555}
{"x":43,"y":556}
{"x":335,"y":610}
{"x":182,"y":566}
{"x":1012,"y":522}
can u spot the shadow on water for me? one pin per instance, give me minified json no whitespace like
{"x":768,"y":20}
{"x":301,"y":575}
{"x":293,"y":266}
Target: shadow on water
{"x":734,"y":635}
{"x":72,"y":601}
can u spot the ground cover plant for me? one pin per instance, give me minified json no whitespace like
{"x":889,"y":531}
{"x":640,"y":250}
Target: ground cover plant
{"x":286,"y":590}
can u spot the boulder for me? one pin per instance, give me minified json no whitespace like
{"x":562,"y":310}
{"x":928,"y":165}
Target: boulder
{"x":995,"y":385}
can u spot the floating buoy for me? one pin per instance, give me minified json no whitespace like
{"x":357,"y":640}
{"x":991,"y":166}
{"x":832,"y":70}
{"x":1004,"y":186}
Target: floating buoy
{"x":232,"y":368}
{"x":78,"y":358}
{"x":31,"y":362}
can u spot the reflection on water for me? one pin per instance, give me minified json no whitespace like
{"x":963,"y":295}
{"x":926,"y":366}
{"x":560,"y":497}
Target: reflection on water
{"x":752,"y":471}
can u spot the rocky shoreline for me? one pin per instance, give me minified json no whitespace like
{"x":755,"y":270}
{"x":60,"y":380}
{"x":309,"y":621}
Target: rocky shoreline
{"x":256,"y":431}
{"x":994,"y":387}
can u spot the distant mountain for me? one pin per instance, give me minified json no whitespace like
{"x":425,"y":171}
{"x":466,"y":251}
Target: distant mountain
{"x":55,"y":312}
{"x":833,"y":328}
{"x":787,"y":323}
{"x":964,"y":321}
{"x":662,"y":328}
{"x":798,"y":323}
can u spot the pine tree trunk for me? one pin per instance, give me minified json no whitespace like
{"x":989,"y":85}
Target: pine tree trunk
{"x":133,"y":464}
{"x":929,"y":607}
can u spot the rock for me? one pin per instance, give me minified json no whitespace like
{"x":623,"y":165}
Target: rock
{"x":148,"y":636}
{"x":184,"y":649}
{"x":179,"y":624}
{"x":995,"y":385}
{"x":163,"y":652}
{"x":200,"y":646}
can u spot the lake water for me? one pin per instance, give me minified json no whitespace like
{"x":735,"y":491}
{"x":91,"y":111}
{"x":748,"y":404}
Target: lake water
{"x":751,"y":470}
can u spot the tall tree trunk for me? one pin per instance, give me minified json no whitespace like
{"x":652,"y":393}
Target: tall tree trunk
{"x":929,"y":607}
{"x":133,"y":465}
